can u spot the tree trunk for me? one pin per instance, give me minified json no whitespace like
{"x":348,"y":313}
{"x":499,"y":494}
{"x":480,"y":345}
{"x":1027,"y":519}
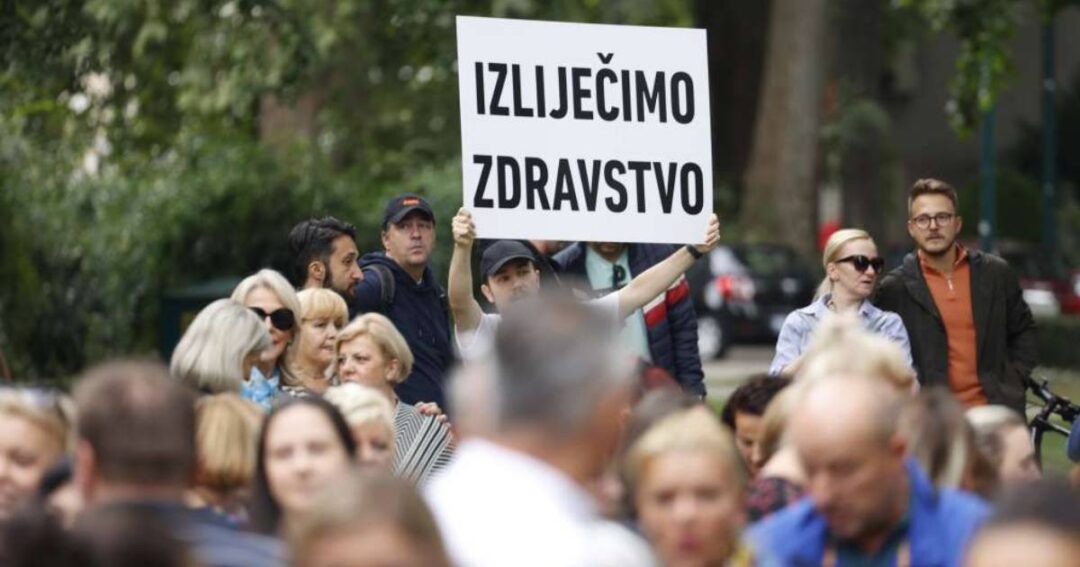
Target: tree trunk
{"x":781,"y":182}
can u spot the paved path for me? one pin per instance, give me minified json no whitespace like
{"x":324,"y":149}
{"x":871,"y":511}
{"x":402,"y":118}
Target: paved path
{"x":724,"y":375}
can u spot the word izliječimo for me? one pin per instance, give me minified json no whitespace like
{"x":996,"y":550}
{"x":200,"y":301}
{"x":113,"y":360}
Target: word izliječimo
{"x":584,"y":93}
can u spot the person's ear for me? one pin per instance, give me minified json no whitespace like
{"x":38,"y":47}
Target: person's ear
{"x":316,"y":271}
{"x":486,"y":290}
{"x":831,"y":271}
{"x":959,"y":222}
{"x":898,"y":446}
{"x":85,"y":471}
{"x":385,"y":235}
{"x":393,"y":369}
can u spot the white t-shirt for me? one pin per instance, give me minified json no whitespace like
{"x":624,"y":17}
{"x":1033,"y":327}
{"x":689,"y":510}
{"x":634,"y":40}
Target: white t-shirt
{"x":475,"y":344}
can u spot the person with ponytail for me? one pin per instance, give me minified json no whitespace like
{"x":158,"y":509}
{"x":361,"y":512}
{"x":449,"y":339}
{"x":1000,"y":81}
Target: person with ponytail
{"x":852,"y":265}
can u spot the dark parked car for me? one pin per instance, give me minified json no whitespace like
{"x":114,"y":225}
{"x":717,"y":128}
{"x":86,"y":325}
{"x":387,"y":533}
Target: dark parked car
{"x":744,"y":292}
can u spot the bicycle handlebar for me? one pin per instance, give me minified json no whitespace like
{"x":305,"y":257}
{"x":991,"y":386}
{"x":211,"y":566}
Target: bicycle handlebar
{"x":1060,"y":405}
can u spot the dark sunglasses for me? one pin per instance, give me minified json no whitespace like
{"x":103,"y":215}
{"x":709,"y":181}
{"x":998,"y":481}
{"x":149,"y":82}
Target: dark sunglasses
{"x":861,"y":262}
{"x":282,"y":319}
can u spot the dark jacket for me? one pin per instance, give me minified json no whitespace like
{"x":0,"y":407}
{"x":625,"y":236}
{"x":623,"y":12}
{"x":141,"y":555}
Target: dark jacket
{"x":942,"y":523}
{"x":670,"y":320}
{"x":421,"y":313}
{"x":1004,"y":328}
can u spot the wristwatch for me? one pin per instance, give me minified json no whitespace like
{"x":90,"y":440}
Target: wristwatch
{"x":694,"y":251}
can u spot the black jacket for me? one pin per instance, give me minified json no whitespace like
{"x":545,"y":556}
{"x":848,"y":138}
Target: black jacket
{"x":1004,"y":328}
{"x":670,"y":319}
{"x":421,"y":313}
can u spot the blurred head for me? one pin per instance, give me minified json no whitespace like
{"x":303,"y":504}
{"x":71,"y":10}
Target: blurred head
{"x":510,"y":273}
{"x":219,"y":348}
{"x":120,"y":534}
{"x":136,"y":432}
{"x":744,"y":410}
{"x":35,"y":429}
{"x":561,"y":370}
{"x":773,"y":432}
{"x":371,"y":420}
{"x":226,"y":428}
{"x":841,"y":346}
{"x":269,"y":295}
{"x":371,"y":351}
{"x":324,"y":254}
{"x":932,"y":219}
{"x":1034,"y":524}
{"x":1003,"y":438}
{"x":322,"y":315}
{"x":408,"y":234}
{"x":304,"y":444}
{"x":844,"y":429}
{"x":851,"y":264}
{"x":939,"y":437}
{"x":368,"y":521}
{"x":687,"y":484}
{"x":609,"y":250}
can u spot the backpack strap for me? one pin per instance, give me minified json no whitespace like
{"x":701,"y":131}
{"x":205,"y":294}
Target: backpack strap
{"x":387,"y":285}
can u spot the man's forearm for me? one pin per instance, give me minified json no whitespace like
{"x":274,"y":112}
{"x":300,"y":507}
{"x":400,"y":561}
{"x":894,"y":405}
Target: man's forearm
{"x":459,"y":290}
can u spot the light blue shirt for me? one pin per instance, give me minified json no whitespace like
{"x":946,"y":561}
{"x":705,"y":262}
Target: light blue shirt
{"x":634,"y":334}
{"x":800,"y":324}
{"x":260,"y":389}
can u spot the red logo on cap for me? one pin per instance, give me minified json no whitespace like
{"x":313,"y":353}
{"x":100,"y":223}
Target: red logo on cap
{"x":410,"y":202}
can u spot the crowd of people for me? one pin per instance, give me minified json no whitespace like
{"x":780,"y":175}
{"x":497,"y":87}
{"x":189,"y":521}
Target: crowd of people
{"x":362,"y":414}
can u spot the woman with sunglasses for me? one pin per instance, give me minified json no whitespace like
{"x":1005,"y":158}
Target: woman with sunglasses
{"x":269,"y":295}
{"x":852,"y":266}
{"x":219,"y":348}
{"x":35,"y":433}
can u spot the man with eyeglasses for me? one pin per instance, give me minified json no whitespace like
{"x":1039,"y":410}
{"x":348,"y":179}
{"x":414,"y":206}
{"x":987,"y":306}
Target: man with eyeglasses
{"x":963,"y":309}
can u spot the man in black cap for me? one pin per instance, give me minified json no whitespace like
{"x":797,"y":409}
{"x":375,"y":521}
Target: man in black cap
{"x":510,"y":274}
{"x":399,"y":284}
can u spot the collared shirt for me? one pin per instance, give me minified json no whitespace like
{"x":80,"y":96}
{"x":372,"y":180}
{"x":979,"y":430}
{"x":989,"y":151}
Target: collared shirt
{"x":952,"y":296}
{"x":496,"y":507}
{"x":800,"y":324}
{"x":601,"y":279}
{"x":260,"y":389}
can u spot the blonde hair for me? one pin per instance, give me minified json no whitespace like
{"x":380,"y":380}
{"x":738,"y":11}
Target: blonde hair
{"x":210,"y":356}
{"x":52,"y":413}
{"x":693,"y":429}
{"x":833,"y":246}
{"x":773,"y":436}
{"x":385,"y":336}
{"x":841,"y":335}
{"x":226,"y":430}
{"x":320,"y":303}
{"x":361,"y":404}
{"x":938,"y":436}
{"x":275,"y":283}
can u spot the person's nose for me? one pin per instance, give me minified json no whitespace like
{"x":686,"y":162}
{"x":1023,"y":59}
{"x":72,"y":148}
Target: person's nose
{"x":685,"y":510}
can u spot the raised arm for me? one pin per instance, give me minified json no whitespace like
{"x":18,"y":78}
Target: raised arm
{"x":463,"y":305}
{"x":657,"y":279}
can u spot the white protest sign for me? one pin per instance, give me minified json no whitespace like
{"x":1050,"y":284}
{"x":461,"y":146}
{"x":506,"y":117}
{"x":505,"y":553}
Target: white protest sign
{"x":585,"y":131}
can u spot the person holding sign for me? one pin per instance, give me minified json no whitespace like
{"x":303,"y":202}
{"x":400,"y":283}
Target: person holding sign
{"x":510,"y":274}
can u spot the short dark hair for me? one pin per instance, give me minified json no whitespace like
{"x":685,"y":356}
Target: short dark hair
{"x":931,"y":186}
{"x":313,"y":239}
{"x":752,"y":397}
{"x":1049,"y":502}
{"x":265,"y":510}
{"x":139,"y":423}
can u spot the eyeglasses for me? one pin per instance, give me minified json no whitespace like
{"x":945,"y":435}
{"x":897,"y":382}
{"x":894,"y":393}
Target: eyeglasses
{"x":282,"y":319}
{"x":861,"y":262}
{"x":618,"y":275}
{"x":942,"y":219}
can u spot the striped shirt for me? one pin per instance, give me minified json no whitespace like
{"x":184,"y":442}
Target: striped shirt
{"x":424,"y":445}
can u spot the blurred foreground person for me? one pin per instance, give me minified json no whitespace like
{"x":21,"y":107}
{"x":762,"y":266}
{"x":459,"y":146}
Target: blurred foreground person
{"x":781,"y":478}
{"x":136,"y":449}
{"x":1035,"y":525}
{"x":371,"y":420}
{"x":269,"y":295}
{"x":852,"y":265}
{"x":310,"y":358}
{"x":365,"y":520}
{"x":744,"y":410}
{"x":371,"y":352}
{"x":1004,"y":439}
{"x":943,"y":443}
{"x":35,"y":429}
{"x":226,"y":428}
{"x":561,"y":382}
{"x":304,"y":444}
{"x":219,"y":349}
{"x":688,"y":483}
{"x":867,"y":504}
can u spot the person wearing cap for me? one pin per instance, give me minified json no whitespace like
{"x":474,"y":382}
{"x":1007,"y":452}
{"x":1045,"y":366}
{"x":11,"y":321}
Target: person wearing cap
{"x":509,"y":273}
{"x":399,"y":284}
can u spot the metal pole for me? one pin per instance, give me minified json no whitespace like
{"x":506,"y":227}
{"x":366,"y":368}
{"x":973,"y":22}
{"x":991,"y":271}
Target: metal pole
{"x":1049,"y":139}
{"x":987,"y":177}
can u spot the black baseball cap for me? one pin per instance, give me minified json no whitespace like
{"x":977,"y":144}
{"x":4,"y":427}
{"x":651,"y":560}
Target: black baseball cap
{"x":498,"y":254}
{"x":402,"y":205}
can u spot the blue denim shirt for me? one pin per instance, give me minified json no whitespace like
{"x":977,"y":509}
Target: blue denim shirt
{"x":799,"y":327}
{"x":260,"y":389}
